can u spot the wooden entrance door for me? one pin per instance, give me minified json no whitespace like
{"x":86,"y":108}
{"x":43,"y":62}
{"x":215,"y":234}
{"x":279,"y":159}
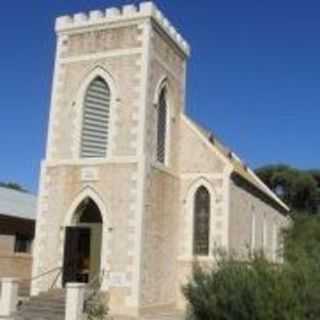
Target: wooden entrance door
{"x":76,"y":265}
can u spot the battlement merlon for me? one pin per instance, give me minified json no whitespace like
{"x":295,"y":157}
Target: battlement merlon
{"x":68,"y":23}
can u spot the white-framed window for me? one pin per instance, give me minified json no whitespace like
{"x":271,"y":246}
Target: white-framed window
{"x":95,"y":120}
{"x":201,"y":222}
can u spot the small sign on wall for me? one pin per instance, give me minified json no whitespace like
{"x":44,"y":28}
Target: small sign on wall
{"x":118,"y":280}
{"x":89,"y":174}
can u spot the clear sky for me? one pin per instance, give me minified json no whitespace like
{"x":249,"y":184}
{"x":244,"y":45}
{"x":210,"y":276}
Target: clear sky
{"x":253,"y":78}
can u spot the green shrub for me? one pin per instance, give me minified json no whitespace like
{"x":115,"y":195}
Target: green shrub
{"x":302,"y":253}
{"x":96,"y":308}
{"x":236,"y":290}
{"x":258,"y":289}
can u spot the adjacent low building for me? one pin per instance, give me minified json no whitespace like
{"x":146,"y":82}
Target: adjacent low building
{"x":17,"y":225}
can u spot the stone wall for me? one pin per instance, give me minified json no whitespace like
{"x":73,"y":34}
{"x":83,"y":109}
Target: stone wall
{"x":166,"y":66}
{"x":15,"y":265}
{"x":203,"y":160}
{"x":160,"y":240}
{"x":268,"y":222}
{"x":115,"y":186}
{"x":116,"y":53}
{"x":200,"y":165}
{"x":7,"y":243}
{"x":75,"y":66}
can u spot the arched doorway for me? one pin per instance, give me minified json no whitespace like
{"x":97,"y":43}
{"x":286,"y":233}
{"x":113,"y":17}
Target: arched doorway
{"x":83,"y":243}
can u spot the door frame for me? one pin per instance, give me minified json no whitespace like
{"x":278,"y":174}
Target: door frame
{"x":106,"y":236}
{"x":64,"y":273}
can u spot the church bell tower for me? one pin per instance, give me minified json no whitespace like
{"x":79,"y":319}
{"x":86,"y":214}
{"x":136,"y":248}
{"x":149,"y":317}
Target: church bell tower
{"x":118,"y":90}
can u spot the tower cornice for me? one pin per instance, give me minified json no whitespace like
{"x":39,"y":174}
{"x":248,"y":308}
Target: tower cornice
{"x":111,"y":16}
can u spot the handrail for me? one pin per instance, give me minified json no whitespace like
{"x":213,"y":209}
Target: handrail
{"x":56,"y":278}
{"x":41,"y":275}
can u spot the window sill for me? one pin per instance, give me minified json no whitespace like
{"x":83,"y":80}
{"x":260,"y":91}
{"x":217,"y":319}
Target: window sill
{"x":163,"y":167}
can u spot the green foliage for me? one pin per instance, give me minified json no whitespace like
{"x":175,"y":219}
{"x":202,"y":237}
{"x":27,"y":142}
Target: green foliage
{"x":302,"y":240}
{"x":302,"y":253}
{"x":299,"y":189}
{"x":96,"y":308}
{"x":316,"y":175}
{"x":13,"y":186}
{"x":236,"y":290}
{"x":258,"y":289}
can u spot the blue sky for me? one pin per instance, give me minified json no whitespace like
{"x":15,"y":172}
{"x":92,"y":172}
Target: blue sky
{"x":253,"y":78}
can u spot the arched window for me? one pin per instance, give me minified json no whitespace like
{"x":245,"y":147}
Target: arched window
{"x":162,"y":126}
{"x":95,"y":125}
{"x":201,"y":230}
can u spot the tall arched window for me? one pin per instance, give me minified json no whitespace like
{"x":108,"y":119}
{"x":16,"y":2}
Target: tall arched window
{"x":162,"y":126}
{"x":95,"y":125}
{"x":201,"y":232}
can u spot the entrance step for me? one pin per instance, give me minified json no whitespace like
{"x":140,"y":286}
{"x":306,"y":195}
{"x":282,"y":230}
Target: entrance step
{"x":47,"y":306}
{"x":155,"y":314}
{"x":164,"y":315}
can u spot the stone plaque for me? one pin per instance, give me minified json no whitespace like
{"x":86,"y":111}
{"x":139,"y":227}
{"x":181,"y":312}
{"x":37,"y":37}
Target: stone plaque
{"x":89,"y":174}
{"x":118,"y":280}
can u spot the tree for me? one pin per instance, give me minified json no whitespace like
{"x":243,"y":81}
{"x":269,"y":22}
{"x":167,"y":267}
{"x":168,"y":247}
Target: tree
{"x":302,"y":254}
{"x":298,"y":189}
{"x":316,"y":175}
{"x":13,"y":186}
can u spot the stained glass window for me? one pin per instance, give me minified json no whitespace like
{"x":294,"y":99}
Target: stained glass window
{"x":201,"y":222}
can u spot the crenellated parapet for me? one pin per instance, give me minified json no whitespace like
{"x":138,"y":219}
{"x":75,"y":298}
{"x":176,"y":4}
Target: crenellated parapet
{"x":125,"y":13}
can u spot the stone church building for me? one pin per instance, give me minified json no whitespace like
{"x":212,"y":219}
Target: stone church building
{"x":130,"y":186}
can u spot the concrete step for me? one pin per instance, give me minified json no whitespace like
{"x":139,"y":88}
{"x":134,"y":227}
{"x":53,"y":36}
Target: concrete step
{"x":44,"y":308}
{"x":43,"y":304}
{"x":32,"y":316}
{"x":47,"y":306}
{"x":52,"y":300}
{"x":54,"y":294}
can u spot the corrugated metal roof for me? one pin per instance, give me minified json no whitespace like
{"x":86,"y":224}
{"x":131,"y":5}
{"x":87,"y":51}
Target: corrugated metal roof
{"x":17,"y":204}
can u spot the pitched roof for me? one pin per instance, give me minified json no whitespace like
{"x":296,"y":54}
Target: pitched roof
{"x":17,"y":204}
{"x":239,"y":167}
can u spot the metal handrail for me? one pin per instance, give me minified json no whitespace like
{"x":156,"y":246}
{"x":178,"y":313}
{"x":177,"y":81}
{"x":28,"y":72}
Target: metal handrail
{"x":42,"y":275}
{"x":56,"y":278}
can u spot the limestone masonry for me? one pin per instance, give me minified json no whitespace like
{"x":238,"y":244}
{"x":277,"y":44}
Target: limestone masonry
{"x":130,"y":186}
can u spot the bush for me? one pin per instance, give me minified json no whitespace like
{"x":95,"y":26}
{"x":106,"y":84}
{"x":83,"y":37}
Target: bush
{"x":302,"y":253}
{"x":258,"y":289}
{"x":236,"y":290}
{"x":96,"y":308}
